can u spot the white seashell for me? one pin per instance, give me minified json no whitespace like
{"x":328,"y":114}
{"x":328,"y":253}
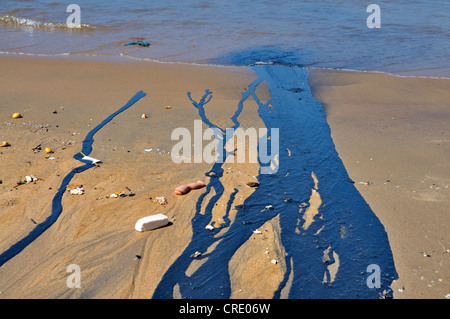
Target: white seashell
{"x":209,"y":227}
{"x":161,"y":200}
{"x":30,"y":179}
{"x":77,"y":191}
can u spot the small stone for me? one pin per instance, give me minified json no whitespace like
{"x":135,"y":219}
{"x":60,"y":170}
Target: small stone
{"x":151,"y":222}
{"x":252,"y":184}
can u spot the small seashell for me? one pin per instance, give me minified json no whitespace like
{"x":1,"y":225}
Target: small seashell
{"x":4,"y":144}
{"x":209,"y":227}
{"x":168,"y":107}
{"x":274,"y":261}
{"x":143,"y":116}
{"x":77,"y":191}
{"x":161,"y":200}
{"x":48,"y":150}
{"x":30,"y":179}
{"x":196,"y":254}
{"x":17,"y":116}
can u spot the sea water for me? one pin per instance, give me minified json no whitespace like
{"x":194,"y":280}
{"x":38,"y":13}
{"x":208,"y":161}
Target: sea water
{"x":412,"y":38}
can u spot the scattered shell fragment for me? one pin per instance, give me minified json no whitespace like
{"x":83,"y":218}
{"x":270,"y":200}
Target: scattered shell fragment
{"x":168,"y":107}
{"x":196,"y":254}
{"x":144,"y":116}
{"x":257,"y":231}
{"x":48,"y":150}
{"x":17,"y":116}
{"x":161,"y":200}
{"x":118,"y":194}
{"x":4,"y":144}
{"x":209,"y":227}
{"x":77,"y":191}
{"x":30,"y":179}
{"x":274,"y":261}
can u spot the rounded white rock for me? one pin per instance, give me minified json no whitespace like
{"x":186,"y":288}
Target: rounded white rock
{"x":151,"y":222}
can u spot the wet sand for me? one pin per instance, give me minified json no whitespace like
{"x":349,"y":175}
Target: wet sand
{"x":392,"y":133}
{"x":384,"y":127}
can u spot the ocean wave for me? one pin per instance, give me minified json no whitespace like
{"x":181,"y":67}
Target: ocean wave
{"x":31,"y":24}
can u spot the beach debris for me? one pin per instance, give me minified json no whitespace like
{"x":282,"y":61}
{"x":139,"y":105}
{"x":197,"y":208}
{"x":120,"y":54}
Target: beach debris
{"x":130,"y":192}
{"x":184,"y":189}
{"x":252,"y":184}
{"x":257,"y":231}
{"x":151,"y":222}
{"x":20,"y":183}
{"x":167,"y":107}
{"x":37,"y":149}
{"x":30,"y":179}
{"x":33,"y":221}
{"x":196,"y":254}
{"x":17,"y":116}
{"x":144,"y":116}
{"x":77,"y":191}
{"x":148,"y":150}
{"x":48,"y":150}
{"x":4,"y":144}
{"x":140,"y":42}
{"x":118,"y":194}
{"x":268,"y":207}
{"x":209,"y":227}
{"x":138,"y":257}
{"x":161,"y":200}
{"x":91,"y":159}
{"x":274,"y":261}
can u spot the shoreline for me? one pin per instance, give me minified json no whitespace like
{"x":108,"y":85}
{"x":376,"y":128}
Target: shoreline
{"x":105,"y":86}
{"x":125,"y":59}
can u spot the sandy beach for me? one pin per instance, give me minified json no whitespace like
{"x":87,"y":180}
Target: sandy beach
{"x":392,"y":135}
{"x":390,"y":132}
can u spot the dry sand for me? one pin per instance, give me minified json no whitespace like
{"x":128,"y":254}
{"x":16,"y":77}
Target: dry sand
{"x":401,"y":123}
{"x":392,"y":133}
{"x":98,"y":234}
